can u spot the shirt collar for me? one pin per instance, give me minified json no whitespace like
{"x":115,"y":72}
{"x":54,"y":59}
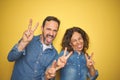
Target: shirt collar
{"x":77,"y":52}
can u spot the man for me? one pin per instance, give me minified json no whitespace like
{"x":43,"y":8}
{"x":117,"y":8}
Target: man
{"x":34,"y":54}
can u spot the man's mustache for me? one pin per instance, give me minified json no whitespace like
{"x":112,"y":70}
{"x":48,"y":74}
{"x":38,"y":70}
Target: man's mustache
{"x":48,"y":35}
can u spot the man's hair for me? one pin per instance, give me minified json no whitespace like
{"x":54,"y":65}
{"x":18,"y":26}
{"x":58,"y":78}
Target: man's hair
{"x":49,"y":18}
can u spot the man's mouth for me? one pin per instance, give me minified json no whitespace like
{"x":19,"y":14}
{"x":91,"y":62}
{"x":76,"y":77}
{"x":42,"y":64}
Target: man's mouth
{"x":49,"y":38}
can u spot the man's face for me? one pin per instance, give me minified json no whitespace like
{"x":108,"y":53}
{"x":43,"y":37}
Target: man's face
{"x":49,"y":31}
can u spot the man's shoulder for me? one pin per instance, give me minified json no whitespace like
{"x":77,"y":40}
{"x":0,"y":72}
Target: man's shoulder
{"x":36,"y":37}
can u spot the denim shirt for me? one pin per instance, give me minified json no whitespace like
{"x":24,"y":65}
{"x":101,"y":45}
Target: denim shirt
{"x":75,"y":68}
{"x":32,"y":62}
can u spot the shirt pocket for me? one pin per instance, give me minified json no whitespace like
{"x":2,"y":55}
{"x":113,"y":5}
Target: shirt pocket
{"x":71,"y":63}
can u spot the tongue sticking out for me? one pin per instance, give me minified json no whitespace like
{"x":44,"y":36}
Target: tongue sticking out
{"x":49,"y":39}
{"x":79,"y":46}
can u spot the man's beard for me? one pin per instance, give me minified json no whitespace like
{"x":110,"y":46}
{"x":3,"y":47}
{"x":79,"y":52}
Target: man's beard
{"x":45,"y":39}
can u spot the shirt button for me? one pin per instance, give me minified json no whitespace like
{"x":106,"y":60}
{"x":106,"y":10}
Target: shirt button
{"x":78,"y":65}
{"x":37,"y":62}
{"x":78,"y":73}
{"x":35,"y":71}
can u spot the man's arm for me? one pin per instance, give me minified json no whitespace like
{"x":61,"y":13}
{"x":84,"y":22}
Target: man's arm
{"x":18,"y":49}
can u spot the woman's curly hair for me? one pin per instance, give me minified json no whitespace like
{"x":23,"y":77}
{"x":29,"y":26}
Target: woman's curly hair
{"x":67,"y":39}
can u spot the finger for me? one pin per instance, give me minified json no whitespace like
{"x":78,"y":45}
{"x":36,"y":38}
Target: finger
{"x":52,"y":75}
{"x":27,"y":33}
{"x":54,"y":64}
{"x":91,"y":63}
{"x":69,"y":55}
{"x":65,"y":51}
{"x":35,"y":27}
{"x":58,"y":68}
{"x":86,"y":57}
{"x":30,"y":24}
{"x":62,"y":59}
{"x":91,"y":55}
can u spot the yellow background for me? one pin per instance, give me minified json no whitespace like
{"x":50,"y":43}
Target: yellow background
{"x":99,"y":18}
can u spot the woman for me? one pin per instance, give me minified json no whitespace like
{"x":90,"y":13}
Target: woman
{"x":79,"y":66}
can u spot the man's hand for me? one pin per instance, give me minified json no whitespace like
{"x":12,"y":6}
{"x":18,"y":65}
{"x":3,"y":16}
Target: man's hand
{"x":51,"y":71}
{"x":27,"y":36}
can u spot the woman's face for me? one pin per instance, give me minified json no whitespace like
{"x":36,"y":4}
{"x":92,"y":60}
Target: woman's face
{"x":77,"y":42}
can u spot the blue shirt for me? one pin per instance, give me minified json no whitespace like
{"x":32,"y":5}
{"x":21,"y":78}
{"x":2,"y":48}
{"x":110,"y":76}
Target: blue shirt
{"x":31,"y":63}
{"x":75,"y":68}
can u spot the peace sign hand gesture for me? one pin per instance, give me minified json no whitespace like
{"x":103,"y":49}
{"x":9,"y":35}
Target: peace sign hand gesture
{"x":27,"y":36}
{"x":89,"y":60}
{"x":63,"y":59}
{"x":51,"y":71}
{"x":90,"y":64}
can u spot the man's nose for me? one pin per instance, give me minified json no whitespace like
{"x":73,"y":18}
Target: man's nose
{"x":51,"y":33}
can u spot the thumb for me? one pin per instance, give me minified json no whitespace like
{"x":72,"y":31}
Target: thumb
{"x":54,"y":64}
{"x":69,"y":55}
